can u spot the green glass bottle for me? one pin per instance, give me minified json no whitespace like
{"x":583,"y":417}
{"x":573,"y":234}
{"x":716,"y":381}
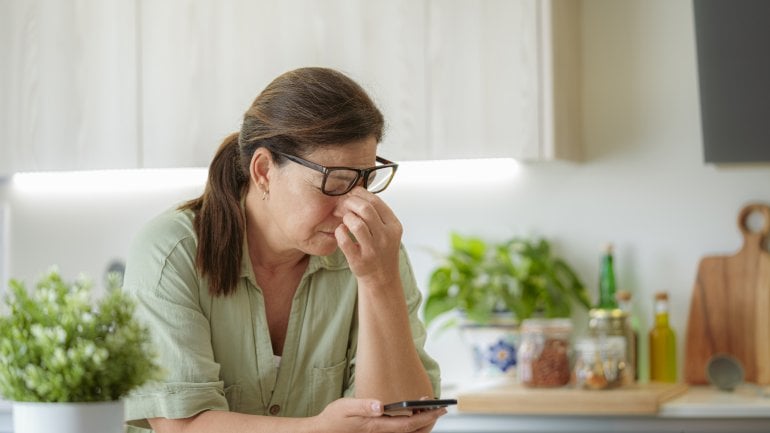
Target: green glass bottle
{"x":607,"y":280}
{"x":662,"y":344}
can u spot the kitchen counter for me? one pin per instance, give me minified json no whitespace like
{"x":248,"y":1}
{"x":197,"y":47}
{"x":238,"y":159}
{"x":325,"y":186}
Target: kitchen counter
{"x":465,"y":423}
{"x":699,"y":409}
{"x":6,"y":422}
{"x":747,"y":401}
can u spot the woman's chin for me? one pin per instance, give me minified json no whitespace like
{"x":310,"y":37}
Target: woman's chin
{"x":324,"y":248}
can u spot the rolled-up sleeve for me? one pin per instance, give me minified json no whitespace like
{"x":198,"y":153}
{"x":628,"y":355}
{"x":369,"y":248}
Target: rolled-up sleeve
{"x":163,"y":281}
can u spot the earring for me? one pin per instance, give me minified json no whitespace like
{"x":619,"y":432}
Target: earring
{"x":264,"y":195}
{"x":265,"y":192}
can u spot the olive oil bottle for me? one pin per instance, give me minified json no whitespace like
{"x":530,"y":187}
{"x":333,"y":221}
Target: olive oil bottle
{"x":662,"y":343}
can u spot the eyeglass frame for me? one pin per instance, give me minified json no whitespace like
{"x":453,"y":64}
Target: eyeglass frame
{"x":360,"y":172}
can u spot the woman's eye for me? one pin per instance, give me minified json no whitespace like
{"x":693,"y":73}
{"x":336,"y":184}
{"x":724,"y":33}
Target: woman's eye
{"x":339,"y":181}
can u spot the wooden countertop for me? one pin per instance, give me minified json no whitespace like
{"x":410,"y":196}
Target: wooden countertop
{"x":511,"y":398}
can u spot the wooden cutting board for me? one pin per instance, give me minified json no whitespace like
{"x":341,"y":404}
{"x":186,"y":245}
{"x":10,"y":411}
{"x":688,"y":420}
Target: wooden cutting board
{"x":638,"y":399}
{"x":730,"y":307}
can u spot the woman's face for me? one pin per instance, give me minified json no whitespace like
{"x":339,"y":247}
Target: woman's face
{"x":301,"y":217}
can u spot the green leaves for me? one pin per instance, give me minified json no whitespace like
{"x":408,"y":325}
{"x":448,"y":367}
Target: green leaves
{"x":58,"y":346}
{"x":518,"y":275}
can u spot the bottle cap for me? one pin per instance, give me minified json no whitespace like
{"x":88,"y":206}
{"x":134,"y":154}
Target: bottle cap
{"x":661,"y":296}
{"x":623,"y":295}
{"x":608,"y":248}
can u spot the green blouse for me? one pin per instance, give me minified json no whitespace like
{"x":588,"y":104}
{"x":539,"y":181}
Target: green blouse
{"x":216,"y":351}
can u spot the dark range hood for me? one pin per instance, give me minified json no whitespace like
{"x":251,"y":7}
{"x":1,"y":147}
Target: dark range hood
{"x":733,"y":47}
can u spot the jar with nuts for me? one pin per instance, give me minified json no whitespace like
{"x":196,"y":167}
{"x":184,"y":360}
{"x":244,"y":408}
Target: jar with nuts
{"x":543,"y":356}
{"x":600,"y":362}
{"x":604,"y":323}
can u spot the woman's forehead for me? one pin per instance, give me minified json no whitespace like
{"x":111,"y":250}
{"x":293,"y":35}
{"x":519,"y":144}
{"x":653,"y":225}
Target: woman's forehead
{"x":357,"y":154}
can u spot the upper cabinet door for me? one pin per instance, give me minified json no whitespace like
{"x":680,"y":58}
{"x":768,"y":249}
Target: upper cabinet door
{"x":67,"y":85}
{"x":141,"y":83}
{"x":204,"y":62}
{"x":503,"y":79}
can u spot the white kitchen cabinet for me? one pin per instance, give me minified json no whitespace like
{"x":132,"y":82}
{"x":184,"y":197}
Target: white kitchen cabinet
{"x":121,"y":84}
{"x":454,"y":78}
{"x":503,"y":79}
{"x":140,"y":83}
{"x":204,"y":62}
{"x":67,"y":85}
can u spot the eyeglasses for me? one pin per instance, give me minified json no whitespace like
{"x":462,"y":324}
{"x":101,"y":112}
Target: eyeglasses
{"x":340,"y":180}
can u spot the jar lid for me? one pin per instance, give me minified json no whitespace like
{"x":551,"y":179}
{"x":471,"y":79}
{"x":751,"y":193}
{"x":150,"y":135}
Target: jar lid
{"x":606,"y":313}
{"x":591,"y":344}
{"x":547,"y":325}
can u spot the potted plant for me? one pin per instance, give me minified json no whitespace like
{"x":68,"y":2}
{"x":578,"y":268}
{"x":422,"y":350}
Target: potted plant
{"x":66,"y":361}
{"x":496,"y":285}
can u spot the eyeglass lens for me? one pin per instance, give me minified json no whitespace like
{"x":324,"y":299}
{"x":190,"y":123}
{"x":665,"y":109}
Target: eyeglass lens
{"x":341,"y":180}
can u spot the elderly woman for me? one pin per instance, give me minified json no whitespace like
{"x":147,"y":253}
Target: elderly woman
{"x":282,"y":300}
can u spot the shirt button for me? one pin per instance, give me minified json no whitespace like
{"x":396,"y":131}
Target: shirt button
{"x":274,"y":409}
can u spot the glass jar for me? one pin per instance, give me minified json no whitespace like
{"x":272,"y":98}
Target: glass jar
{"x":614,"y":323}
{"x":600,"y":362}
{"x":543,"y":355}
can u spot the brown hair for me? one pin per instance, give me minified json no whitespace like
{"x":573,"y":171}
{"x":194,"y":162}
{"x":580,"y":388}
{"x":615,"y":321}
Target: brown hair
{"x":298,"y":112}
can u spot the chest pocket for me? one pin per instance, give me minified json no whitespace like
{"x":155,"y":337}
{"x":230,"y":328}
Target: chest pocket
{"x":327,"y":384}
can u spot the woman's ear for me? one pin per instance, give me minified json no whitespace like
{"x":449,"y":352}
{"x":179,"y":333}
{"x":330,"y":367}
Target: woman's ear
{"x":259,"y":169}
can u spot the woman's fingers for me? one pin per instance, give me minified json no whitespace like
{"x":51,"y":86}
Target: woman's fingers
{"x":411,"y":423}
{"x":363,"y":208}
{"x":357,"y":415}
{"x":384,"y":212}
{"x":382,"y":208}
{"x":359,"y":228}
{"x":372,"y":210}
{"x":369,"y":235}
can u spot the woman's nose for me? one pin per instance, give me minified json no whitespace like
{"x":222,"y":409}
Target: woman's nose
{"x":339,"y":207}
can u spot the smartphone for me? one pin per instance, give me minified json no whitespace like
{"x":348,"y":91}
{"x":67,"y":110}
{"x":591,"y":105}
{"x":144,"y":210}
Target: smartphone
{"x":409,"y":407}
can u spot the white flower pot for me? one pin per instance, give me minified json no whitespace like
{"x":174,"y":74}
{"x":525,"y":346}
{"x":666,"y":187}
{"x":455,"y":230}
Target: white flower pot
{"x":494,"y":347}
{"x":99,"y":417}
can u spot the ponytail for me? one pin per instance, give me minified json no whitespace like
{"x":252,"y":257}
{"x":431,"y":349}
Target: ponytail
{"x":219,"y":222}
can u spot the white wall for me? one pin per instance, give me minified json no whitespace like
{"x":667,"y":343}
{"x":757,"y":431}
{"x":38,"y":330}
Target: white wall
{"x":643,"y":186}
{"x":4,"y":230}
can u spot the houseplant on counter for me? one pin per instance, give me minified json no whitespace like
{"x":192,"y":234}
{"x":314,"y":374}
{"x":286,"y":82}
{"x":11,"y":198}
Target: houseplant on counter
{"x":496,"y":285}
{"x":65,"y":361}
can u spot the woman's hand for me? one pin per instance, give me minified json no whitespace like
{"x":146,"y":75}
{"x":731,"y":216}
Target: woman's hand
{"x":369,"y":236}
{"x":361,"y":415}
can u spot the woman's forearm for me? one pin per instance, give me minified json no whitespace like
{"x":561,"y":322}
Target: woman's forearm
{"x":345,"y":415}
{"x":388,"y":366}
{"x":232,"y":422}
